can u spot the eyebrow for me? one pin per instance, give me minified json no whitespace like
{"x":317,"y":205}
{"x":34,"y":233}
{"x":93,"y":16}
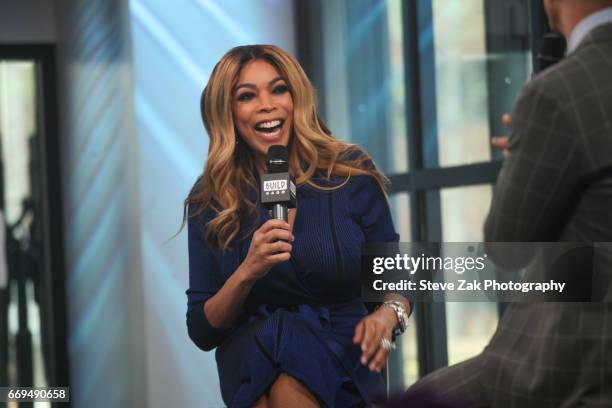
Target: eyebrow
{"x":253,"y":86}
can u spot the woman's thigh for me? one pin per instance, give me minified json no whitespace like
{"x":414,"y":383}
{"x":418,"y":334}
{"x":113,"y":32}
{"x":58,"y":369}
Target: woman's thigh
{"x":286,"y":391}
{"x":261,"y":402}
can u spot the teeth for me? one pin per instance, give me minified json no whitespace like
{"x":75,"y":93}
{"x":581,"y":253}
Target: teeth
{"x":268,"y":125}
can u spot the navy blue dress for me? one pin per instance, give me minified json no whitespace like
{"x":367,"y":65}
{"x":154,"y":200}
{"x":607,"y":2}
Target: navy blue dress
{"x":300,"y":318}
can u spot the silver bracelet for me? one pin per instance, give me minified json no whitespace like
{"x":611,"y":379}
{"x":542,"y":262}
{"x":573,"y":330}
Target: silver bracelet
{"x":402,"y":316}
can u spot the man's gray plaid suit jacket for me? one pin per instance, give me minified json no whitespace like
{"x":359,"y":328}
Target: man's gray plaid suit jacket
{"x":555,"y":186}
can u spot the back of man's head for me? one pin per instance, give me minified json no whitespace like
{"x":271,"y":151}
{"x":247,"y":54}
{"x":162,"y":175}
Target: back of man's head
{"x":564,"y":15}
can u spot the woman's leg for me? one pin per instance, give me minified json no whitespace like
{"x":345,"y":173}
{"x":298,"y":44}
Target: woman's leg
{"x":288,"y":392}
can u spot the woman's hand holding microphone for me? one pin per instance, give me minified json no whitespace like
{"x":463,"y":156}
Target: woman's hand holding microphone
{"x":271,"y":244}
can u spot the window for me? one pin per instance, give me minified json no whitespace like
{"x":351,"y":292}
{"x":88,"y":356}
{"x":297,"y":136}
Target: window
{"x":422,"y":86}
{"x":33,"y":344}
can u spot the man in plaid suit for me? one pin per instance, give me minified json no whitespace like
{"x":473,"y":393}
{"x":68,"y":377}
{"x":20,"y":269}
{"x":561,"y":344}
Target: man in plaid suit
{"x":555,"y":185}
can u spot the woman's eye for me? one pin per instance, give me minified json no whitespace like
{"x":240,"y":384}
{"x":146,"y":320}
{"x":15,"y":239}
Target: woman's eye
{"x":246,"y":96}
{"x":281,"y":89}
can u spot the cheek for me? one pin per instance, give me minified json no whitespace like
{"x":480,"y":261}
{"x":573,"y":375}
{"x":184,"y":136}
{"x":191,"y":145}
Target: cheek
{"x":240,"y":117}
{"x":289,"y":106}
{"x":551,"y":9}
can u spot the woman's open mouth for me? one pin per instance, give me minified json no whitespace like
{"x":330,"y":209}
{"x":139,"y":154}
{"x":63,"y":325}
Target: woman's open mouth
{"x":270,"y":128}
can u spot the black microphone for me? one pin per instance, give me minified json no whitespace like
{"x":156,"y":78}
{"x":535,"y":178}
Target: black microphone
{"x":277,"y":186}
{"x":552,"y":50}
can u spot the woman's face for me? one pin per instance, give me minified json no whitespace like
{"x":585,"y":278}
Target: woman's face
{"x":262,"y":108}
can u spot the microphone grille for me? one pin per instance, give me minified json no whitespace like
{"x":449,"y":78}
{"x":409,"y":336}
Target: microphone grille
{"x":278,"y":159}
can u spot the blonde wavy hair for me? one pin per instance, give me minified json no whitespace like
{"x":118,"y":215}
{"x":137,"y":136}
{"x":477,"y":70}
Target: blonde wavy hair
{"x":228,"y":172}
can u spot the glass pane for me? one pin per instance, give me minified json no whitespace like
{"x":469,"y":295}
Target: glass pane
{"x":397,"y":106}
{"x":469,"y":326}
{"x":481,"y":60}
{"x":22,"y":320}
{"x":464,"y":210}
{"x":400,"y":211}
{"x":409,"y":359}
{"x":364,"y":78}
{"x":410,"y":356}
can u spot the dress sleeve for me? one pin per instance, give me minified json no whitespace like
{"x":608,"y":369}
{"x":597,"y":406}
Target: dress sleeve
{"x":204,"y":281}
{"x":369,"y":207}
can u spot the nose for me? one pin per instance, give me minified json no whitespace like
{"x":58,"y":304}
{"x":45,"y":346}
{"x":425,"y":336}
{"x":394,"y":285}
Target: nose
{"x":266,"y":102}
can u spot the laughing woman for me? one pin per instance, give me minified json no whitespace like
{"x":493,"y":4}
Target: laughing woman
{"x":280,"y":301}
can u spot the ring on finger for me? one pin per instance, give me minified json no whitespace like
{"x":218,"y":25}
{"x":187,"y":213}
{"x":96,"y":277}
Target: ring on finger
{"x":387,"y":344}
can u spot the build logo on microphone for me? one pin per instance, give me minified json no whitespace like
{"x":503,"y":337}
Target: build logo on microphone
{"x":275,"y":187}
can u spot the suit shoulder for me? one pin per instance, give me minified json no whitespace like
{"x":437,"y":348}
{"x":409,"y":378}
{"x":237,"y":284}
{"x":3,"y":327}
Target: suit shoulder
{"x":579,"y":74}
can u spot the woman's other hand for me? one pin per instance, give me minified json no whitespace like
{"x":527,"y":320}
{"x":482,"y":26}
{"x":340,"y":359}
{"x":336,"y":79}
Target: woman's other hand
{"x":502,"y":141}
{"x":271,"y":244}
{"x":370,"y":332}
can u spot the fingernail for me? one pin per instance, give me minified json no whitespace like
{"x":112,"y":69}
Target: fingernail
{"x":363,"y":348}
{"x":372,"y":367}
{"x":364,"y":360}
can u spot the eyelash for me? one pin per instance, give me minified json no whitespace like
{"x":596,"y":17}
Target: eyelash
{"x":247,"y":96}
{"x":281,"y":89}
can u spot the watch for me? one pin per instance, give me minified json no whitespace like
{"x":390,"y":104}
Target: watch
{"x":402,"y":316}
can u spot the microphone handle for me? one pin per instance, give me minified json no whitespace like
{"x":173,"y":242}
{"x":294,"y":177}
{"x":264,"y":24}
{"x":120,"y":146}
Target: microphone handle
{"x":280,"y":212}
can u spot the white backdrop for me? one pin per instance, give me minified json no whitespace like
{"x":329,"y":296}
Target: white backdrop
{"x":175,"y":45}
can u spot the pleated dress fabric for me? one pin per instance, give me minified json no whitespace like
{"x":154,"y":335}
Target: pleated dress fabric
{"x":300,"y":318}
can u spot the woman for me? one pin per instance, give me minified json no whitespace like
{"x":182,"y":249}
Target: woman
{"x":280,"y":301}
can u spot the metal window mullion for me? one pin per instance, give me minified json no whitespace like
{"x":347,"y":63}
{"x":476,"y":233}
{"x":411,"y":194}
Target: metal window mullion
{"x":420,"y":116}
